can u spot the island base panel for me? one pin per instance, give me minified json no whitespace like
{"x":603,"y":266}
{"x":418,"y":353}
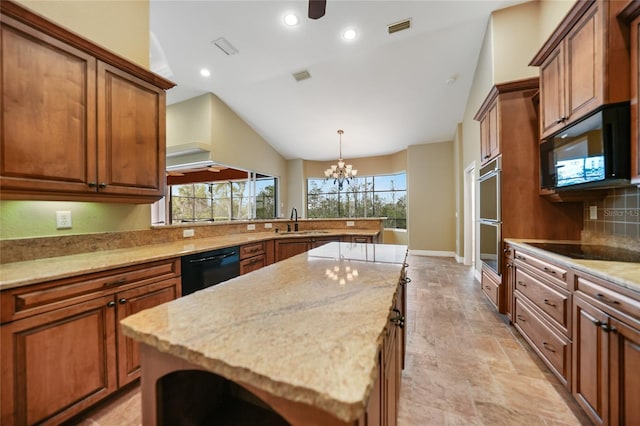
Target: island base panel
{"x":157,"y":365}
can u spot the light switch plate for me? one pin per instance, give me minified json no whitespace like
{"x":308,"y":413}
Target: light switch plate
{"x":251,"y":227}
{"x":188,"y":233}
{"x":593,"y":212}
{"x":268,"y":225}
{"x":351,"y":223}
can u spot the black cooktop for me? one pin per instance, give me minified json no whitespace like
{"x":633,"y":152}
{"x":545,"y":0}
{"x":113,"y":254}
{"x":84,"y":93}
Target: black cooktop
{"x":590,"y":252}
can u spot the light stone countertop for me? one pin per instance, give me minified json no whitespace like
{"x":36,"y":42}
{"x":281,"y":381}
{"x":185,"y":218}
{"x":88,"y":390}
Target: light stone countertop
{"x":624,"y":274}
{"x":19,"y":274}
{"x":291,"y":329}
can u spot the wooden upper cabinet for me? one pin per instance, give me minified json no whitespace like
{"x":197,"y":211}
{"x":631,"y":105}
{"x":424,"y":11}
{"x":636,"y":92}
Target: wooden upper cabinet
{"x":631,"y":14}
{"x":78,"y":122}
{"x":131,"y":134}
{"x":489,"y":133}
{"x":48,"y":112}
{"x":583,"y":65}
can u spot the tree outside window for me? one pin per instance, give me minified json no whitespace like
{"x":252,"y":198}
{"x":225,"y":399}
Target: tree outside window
{"x":364,"y":196}
{"x":223,"y":201}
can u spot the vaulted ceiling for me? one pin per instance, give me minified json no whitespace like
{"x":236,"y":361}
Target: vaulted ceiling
{"x":387,"y":91}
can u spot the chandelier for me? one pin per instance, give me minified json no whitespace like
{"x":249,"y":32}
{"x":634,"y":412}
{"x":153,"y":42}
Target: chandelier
{"x":340,"y":172}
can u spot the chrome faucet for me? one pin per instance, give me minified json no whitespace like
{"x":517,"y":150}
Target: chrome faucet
{"x":294,"y":216}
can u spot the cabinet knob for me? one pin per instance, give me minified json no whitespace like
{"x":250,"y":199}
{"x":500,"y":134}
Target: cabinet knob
{"x":122,"y":301}
{"x":92,"y":184}
{"x":102,"y":185}
{"x":111,"y":304}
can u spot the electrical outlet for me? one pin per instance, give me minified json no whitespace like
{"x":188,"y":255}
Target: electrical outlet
{"x":351,"y":223}
{"x":63,"y":219}
{"x":188,"y":233}
{"x":251,"y":227}
{"x":268,"y":225}
{"x":593,"y":212}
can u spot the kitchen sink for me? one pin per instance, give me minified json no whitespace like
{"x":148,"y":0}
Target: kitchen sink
{"x":303,"y":232}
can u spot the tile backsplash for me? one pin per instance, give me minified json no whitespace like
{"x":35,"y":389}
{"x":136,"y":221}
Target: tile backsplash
{"x":618,"y":217}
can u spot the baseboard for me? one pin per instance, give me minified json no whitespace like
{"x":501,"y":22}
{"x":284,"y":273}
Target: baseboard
{"x":432,"y":253}
{"x":478,"y":275}
{"x":459,"y":259}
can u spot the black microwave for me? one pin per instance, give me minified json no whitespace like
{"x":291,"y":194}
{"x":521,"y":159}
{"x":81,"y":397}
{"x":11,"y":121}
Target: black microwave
{"x":591,"y":153}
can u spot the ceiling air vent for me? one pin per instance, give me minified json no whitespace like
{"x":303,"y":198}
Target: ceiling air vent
{"x":301,"y":75}
{"x":224,"y":45}
{"x":399,"y":26}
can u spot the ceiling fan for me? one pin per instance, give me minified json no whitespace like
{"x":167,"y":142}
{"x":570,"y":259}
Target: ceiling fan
{"x":317,"y":8}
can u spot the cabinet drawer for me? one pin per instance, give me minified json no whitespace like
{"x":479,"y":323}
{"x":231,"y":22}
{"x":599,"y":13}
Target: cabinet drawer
{"x":249,"y":250}
{"x":554,"y":303}
{"x":252,"y":264}
{"x":610,"y":298}
{"x":491,"y":289}
{"x":555,"y":273}
{"x":554,"y":349}
{"x":34,"y":299}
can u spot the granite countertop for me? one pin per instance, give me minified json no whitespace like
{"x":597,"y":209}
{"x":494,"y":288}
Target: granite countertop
{"x":307,"y":329}
{"x":624,"y":274}
{"x":18,"y":274}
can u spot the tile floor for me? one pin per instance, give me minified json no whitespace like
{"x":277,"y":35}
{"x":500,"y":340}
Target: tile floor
{"x":465,"y":365}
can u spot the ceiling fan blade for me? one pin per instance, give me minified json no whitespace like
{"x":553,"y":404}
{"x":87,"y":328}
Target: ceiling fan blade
{"x":317,"y":8}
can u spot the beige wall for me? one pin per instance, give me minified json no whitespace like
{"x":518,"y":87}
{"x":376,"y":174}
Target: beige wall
{"x":431,"y":203}
{"x":123,"y":28}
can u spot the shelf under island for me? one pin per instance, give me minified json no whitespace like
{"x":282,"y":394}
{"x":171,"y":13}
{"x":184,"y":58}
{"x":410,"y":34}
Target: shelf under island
{"x":314,"y":339}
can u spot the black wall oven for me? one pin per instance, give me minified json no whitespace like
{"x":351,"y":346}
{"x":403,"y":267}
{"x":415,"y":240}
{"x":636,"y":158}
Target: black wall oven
{"x":490,"y":215}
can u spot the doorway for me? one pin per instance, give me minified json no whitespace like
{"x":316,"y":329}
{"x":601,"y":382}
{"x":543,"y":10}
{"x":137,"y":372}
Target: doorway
{"x":470,"y":214}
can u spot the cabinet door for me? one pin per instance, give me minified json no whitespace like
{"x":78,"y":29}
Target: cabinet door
{"x":485,"y":151}
{"x":317,"y":242}
{"x":585,"y":65}
{"x":129,"y":303}
{"x":625,"y":374}
{"x":131,"y":135}
{"x":590,"y":360}
{"x":47,"y":127}
{"x":59,"y":363}
{"x":390,"y":373}
{"x":635,"y":96}
{"x":252,"y":264}
{"x":552,"y":104}
{"x":289,"y":248}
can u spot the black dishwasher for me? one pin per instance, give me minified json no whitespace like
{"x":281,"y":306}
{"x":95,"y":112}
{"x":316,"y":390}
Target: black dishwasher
{"x":209,"y":268}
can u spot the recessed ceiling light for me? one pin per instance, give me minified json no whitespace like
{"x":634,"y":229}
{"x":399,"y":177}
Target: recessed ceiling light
{"x":291,"y":20}
{"x":205,"y":72}
{"x":349,"y":34}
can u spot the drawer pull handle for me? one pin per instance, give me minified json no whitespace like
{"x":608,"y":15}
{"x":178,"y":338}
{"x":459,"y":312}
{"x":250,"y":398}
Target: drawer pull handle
{"x":548,"y":302}
{"x":520,"y":257}
{"x":405,"y":281}
{"x":548,"y":347}
{"x":549,"y":270}
{"x":399,"y":319}
{"x":608,"y":329}
{"x":606,"y":300}
{"x":111,"y":304}
{"x":116,"y":282}
{"x":122,"y":301}
{"x":522,"y":284}
{"x":521,"y":318}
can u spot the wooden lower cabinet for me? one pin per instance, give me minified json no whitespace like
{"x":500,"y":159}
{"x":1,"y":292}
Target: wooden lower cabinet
{"x":492,"y":287}
{"x":61,"y":345}
{"x":254,"y":256}
{"x":129,"y":303}
{"x":289,"y":247}
{"x":590,"y":381}
{"x":58,"y":363}
{"x":606,"y":358}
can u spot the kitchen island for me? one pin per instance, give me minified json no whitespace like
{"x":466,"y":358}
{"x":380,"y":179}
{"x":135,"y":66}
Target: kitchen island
{"x":306,"y":336}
